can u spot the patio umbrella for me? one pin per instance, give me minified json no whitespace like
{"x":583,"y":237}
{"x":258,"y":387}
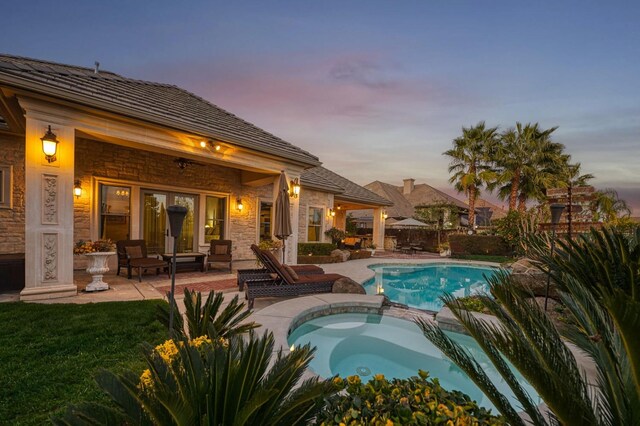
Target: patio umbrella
{"x":282,"y":226}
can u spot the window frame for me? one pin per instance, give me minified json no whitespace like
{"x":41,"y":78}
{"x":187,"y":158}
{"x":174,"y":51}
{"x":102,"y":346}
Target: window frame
{"x":320,"y":226}
{"x":6,"y":187}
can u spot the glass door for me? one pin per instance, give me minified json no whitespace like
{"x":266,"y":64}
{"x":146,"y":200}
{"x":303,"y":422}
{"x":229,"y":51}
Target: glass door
{"x":155,"y":227}
{"x":154,"y":221}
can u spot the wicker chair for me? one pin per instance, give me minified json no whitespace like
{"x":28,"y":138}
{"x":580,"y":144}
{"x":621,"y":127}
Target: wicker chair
{"x":287,"y":283}
{"x":265,"y":272}
{"x":133,"y":254}
{"x":219,"y":252}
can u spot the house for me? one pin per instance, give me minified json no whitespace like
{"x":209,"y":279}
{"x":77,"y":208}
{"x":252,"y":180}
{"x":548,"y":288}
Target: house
{"x":429,"y":204}
{"x":90,"y":154}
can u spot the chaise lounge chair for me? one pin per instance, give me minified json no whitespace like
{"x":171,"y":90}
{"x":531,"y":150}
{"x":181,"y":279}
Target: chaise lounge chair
{"x":266,"y":272}
{"x":287,"y":283}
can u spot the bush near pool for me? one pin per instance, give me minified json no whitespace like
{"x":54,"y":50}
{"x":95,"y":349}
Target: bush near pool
{"x":479,"y":244}
{"x":413,"y":401}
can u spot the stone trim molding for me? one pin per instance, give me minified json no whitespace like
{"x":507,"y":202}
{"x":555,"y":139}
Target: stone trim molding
{"x":49,"y":199}
{"x":50,"y":258}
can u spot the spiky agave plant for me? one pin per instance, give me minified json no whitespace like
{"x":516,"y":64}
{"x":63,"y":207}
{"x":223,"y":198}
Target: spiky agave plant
{"x":598,"y":280}
{"x":236,"y":382}
{"x":209,"y":319}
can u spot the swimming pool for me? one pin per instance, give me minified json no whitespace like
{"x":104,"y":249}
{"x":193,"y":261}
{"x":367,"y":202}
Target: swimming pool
{"x":420,"y":286}
{"x":367,"y":344}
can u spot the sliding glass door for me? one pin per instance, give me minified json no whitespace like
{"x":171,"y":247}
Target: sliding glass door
{"x":155,"y":227}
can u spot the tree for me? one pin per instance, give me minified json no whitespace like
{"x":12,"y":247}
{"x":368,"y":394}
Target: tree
{"x":470,"y":163}
{"x":609,"y":207}
{"x":598,"y":276}
{"x":524,"y":160}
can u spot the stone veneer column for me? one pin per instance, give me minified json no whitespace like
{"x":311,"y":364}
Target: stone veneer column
{"x":48,"y":213}
{"x":340,"y":221}
{"x":378,"y":229}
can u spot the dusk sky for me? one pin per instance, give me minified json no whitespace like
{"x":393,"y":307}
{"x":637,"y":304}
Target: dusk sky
{"x":376,"y":89}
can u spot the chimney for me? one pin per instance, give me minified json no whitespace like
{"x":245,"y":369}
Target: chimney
{"x":96,"y":69}
{"x":408,"y":186}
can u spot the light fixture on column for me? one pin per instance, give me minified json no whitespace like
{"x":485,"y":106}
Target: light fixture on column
{"x":295,"y":188}
{"x":239,"y":205}
{"x":77,"y":189}
{"x":384,"y":215}
{"x":49,"y":145}
{"x":332,"y":213}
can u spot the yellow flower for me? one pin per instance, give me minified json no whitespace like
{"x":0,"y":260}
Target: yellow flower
{"x":450,"y":423}
{"x":389,"y":423}
{"x":146,"y":381}
{"x":198,"y":341}
{"x":223,"y":342}
{"x":338,"y":381}
{"x":379,"y":399}
{"x":167,"y":351}
{"x":353,"y":380}
{"x":417,"y":398}
{"x":379,"y":377}
{"x":404,"y":401}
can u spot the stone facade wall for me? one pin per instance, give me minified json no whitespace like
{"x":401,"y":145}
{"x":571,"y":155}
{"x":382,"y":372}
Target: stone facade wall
{"x":12,"y":220}
{"x":311,"y":198}
{"x":98,"y":159}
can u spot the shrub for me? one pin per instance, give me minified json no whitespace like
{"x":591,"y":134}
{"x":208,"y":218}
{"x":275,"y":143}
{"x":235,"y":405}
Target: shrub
{"x":473,"y":303}
{"x":335,"y":234}
{"x":317,"y":249}
{"x":511,"y":230}
{"x":413,"y":401}
{"x":480,"y":244}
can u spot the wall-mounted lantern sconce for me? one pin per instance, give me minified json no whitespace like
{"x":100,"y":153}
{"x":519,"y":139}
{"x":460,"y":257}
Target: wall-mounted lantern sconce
{"x":239,"y":205}
{"x":77,"y":189}
{"x":50,"y":145}
{"x":339,"y":207}
{"x":295,"y":188}
{"x":385,"y":215}
{"x":332,"y":213}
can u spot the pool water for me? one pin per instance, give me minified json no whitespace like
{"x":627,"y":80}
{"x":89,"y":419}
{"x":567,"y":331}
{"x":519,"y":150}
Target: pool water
{"x":420,"y":286}
{"x":368,"y":344}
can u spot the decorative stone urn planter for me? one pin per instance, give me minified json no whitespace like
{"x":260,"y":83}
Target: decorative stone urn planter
{"x":98,"y":266}
{"x":445,"y":253}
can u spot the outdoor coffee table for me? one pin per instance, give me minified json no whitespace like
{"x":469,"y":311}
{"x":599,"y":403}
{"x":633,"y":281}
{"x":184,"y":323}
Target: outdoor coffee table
{"x":186,"y":261}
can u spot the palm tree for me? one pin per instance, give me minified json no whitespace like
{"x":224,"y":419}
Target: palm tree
{"x":609,"y":207}
{"x":470,"y":164}
{"x":598,"y":276}
{"x":525,"y":161}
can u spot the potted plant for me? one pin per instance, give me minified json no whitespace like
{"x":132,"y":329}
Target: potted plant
{"x":98,"y":253}
{"x":336,"y":235}
{"x":273,"y":246}
{"x":444,"y":249}
{"x":372,"y":248}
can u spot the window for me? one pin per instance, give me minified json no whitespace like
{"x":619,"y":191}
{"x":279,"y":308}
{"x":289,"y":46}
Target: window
{"x":6,"y":198}
{"x":214,"y":218}
{"x":314,"y":226}
{"x":266,"y":209}
{"x":114,"y":212}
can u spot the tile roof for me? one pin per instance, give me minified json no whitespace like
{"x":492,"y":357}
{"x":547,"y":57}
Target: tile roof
{"x":163,"y":104}
{"x":322,"y":178}
{"x":421,"y":195}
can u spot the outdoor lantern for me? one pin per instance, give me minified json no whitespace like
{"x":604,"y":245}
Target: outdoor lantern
{"x":77,"y":189}
{"x":332,"y":213}
{"x":203,"y":144}
{"x":556,"y":213}
{"x":176,"y":219}
{"x":295,"y":188}
{"x":239,"y":205}
{"x":385,"y":215}
{"x":49,"y":145}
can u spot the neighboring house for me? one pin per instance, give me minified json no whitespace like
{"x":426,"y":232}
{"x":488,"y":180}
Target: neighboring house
{"x":416,"y":200}
{"x":131,"y":148}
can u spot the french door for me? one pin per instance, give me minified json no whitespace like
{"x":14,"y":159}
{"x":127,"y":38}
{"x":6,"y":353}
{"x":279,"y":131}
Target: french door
{"x":155,"y":226}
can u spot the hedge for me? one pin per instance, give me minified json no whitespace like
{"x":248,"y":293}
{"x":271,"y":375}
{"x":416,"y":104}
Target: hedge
{"x":479,"y":244}
{"x":316,"y":249}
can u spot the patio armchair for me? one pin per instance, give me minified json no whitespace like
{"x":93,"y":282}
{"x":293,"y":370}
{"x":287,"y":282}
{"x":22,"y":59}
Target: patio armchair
{"x":219,"y":252}
{"x":133,"y":254}
{"x":266,"y":273}
{"x":287,"y":283}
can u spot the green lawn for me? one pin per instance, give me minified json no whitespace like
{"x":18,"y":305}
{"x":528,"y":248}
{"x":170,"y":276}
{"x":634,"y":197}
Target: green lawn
{"x":50,"y":353}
